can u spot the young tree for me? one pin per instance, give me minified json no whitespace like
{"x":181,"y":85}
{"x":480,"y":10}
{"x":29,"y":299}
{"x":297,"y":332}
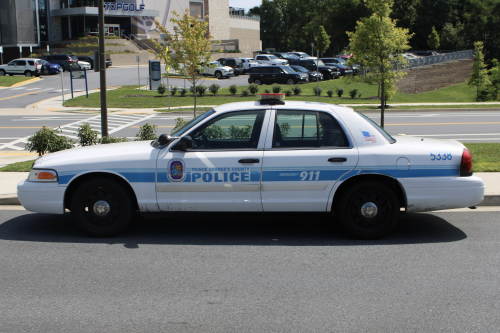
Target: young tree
{"x":191,"y":45}
{"x":322,"y":40}
{"x":433,"y":40}
{"x":377,"y":45}
{"x":479,"y":75}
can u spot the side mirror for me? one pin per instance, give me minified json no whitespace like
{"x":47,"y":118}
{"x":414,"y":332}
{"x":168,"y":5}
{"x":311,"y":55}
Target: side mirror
{"x":164,"y":139}
{"x":185,"y":143}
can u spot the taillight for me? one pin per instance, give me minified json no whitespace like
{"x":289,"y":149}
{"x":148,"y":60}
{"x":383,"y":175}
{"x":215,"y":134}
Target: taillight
{"x":466,"y":164}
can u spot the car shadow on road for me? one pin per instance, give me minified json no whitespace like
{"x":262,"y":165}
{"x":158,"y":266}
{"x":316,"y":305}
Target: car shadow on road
{"x":260,"y":229}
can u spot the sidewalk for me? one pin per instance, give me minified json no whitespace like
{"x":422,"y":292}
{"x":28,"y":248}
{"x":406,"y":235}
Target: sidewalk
{"x":9,"y":180}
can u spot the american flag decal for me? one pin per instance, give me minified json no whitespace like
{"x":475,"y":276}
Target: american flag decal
{"x":367,"y":137}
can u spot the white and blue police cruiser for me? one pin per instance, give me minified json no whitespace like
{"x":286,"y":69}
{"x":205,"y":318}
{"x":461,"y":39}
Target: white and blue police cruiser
{"x":263,"y":156}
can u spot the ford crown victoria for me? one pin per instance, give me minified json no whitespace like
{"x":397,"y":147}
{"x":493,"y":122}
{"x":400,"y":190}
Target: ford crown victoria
{"x":264,"y":156}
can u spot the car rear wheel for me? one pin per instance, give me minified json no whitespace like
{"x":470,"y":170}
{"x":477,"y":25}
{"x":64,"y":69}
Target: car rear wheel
{"x":290,"y":82}
{"x":2,"y":72}
{"x":102,"y":207}
{"x":28,"y":74}
{"x":368,"y":210}
{"x":218,"y":75}
{"x":257,"y":82}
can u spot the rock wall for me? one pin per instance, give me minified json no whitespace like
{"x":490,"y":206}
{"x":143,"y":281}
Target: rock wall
{"x":435,"y":77}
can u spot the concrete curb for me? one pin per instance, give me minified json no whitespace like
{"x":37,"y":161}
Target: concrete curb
{"x":11,"y":199}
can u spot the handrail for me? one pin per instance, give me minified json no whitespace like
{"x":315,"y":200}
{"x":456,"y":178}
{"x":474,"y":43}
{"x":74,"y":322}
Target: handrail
{"x":130,"y":39}
{"x":149,"y":47}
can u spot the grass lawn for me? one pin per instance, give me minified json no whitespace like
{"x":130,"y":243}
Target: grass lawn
{"x":18,"y":167}
{"x":7,"y":81}
{"x":485,"y":156}
{"x":130,"y":97}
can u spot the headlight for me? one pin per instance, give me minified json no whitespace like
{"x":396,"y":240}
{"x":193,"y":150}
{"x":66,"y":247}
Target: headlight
{"x":41,"y":175}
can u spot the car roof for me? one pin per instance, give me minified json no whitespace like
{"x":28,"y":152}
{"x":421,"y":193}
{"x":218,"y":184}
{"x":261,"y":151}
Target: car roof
{"x":26,"y":59}
{"x":295,"y":105}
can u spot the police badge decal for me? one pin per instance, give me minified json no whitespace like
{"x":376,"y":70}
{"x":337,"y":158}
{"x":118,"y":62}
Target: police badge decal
{"x":176,"y":170}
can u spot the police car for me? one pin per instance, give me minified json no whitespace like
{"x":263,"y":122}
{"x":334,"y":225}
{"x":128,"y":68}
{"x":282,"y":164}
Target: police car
{"x":269,"y":155}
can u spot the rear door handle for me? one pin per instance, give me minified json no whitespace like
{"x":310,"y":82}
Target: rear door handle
{"x":337,"y":159}
{"x":249,"y":160}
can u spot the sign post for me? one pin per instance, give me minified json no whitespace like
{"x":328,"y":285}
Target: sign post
{"x":317,"y":77}
{"x":102,"y":70}
{"x":138,"y":59}
{"x":20,"y":51}
{"x":312,"y":49}
{"x":48,"y":48}
{"x":62,"y":86}
{"x":1,"y":52}
{"x":31,"y":51}
{"x":168,"y":84}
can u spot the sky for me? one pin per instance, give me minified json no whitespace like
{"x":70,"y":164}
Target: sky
{"x":247,"y":4}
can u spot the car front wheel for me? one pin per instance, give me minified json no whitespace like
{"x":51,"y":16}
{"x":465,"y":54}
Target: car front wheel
{"x":102,"y":207}
{"x":257,"y":82}
{"x":290,"y":82}
{"x":218,"y":75}
{"x":368,"y":210}
{"x":2,"y":72}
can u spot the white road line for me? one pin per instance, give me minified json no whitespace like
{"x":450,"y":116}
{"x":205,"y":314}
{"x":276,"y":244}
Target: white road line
{"x":9,"y":138}
{"x":17,"y":88}
{"x":33,"y":89}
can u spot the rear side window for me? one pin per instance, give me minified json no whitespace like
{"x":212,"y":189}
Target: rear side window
{"x":307,"y":129}
{"x":21,"y":63}
{"x":31,"y":63}
{"x":266,"y":70}
{"x":254,"y":70}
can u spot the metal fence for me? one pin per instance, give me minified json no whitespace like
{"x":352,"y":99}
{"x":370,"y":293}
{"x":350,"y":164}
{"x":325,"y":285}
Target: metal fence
{"x":440,"y":59}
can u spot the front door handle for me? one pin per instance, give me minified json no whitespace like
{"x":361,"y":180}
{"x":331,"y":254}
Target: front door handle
{"x":249,"y":160}
{"x":337,"y":159}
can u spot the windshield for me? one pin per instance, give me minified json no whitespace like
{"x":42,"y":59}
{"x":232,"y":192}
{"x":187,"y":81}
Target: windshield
{"x":320,"y":63}
{"x":290,"y":56}
{"x":340,"y":60}
{"x":288,"y":70}
{"x":300,"y":69}
{"x":181,"y":130}
{"x":378,"y":128}
{"x":273,"y":57}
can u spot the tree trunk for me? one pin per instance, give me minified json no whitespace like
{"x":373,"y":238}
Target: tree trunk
{"x":382,"y":106}
{"x":194,"y":91}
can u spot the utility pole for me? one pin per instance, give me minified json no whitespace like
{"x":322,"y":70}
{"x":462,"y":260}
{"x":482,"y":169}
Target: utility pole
{"x":102,"y":72}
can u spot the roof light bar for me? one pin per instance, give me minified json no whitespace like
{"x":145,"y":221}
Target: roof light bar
{"x":272,"y":99}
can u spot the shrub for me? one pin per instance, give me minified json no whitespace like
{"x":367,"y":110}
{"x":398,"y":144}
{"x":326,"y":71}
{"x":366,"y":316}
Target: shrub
{"x":111,"y":139}
{"x":353,"y":93}
{"x":276,"y":88}
{"x":214,"y":88}
{"x":233,"y":89}
{"x":87,"y":136}
{"x":48,"y":140}
{"x":267,"y":91}
{"x":296,"y":90}
{"x":201,"y":90}
{"x":146,"y":132}
{"x":162,"y":89}
{"x":317,"y":91}
{"x":329,"y":92}
{"x":183,"y":92}
{"x":339,"y":91}
{"x":288,"y":92}
{"x":173,"y":90}
{"x":179,"y":122}
{"x":244,"y":93}
{"x":253,"y":88}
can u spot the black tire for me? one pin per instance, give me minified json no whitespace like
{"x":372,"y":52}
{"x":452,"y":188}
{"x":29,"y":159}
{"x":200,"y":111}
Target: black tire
{"x":102,"y":193}
{"x":28,"y":74}
{"x":366,"y":195}
{"x":2,"y":72}
{"x":290,"y":82}
{"x":46,"y":71}
{"x":327,"y":76}
{"x":218,"y":75}
{"x":257,"y":82}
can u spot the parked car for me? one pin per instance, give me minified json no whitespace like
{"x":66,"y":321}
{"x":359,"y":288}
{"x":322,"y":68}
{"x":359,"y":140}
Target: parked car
{"x":216,"y":69}
{"x":84,"y":64}
{"x":425,"y":53}
{"x":66,"y":61}
{"x":286,"y":56}
{"x":109,"y":63}
{"x":286,"y":156}
{"x":88,"y":59}
{"x":313,"y":76}
{"x":248,"y":63}
{"x":270,"y":59}
{"x":329,"y":72}
{"x":355,"y":68}
{"x":276,"y":74}
{"x":302,"y":55}
{"x":50,"y":68}
{"x":235,"y":63}
{"x":344,"y":70}
{"x":22,"y":66}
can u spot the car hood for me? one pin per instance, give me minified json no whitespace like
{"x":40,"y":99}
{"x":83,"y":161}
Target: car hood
{"x":98,"y":154}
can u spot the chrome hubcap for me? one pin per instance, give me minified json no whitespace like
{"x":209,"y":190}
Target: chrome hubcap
{"x":101,"y":208}
{"x":369,"y":210}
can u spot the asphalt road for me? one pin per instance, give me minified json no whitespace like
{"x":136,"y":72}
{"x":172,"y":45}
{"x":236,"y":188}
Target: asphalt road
{"x":250,"y":273}
{"x":50,"y":85}
{"x":461,"y":126}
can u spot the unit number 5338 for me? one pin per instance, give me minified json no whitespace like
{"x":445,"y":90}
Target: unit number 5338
{"x":441,"y":156}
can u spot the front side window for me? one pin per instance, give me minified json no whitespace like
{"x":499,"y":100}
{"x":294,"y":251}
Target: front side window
{"x":307,"y":129}
{"x":21,"y":63}
{"x":235,"y":130}
{"x":179,"y":131}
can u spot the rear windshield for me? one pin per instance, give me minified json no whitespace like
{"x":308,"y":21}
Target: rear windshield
{"x":378,"y":128}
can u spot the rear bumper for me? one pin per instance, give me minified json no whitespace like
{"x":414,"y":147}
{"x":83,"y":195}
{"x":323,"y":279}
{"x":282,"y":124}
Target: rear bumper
{"x":41,"y":198}
{"x":426,"y":194}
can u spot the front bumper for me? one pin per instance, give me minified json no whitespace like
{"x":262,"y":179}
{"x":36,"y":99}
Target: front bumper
{"x":41,"y":197}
